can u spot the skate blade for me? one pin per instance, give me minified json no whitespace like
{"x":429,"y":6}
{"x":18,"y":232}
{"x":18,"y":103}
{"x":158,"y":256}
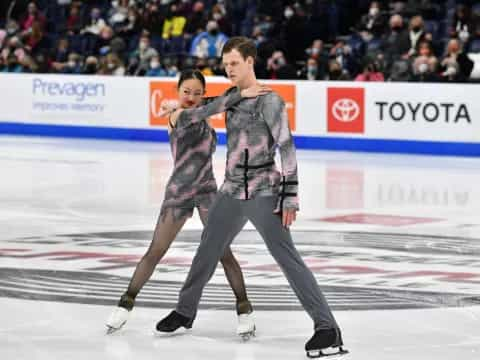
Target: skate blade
{"x":315,"y":354}
{"x":179,"y":332}
{"x":247,"y":336}
{"x":112,"y":329}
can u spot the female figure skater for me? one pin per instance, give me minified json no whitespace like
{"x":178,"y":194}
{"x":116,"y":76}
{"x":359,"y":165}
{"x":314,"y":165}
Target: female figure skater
{"x":192,"y":184}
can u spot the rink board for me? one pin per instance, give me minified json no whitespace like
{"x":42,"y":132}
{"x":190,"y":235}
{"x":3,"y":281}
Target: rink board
{"x":437,"y":119}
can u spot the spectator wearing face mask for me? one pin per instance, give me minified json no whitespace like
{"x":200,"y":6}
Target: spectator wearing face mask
{"x":112,"y":65}
{"x":317,"y":52}
{"x":424,"y":69}
{"x":170,"y":66}
{"x":416,"y":34}
{"x":208,"y":43}
{"x":373,"y":22}
{"x":296,"y":33}
{"x":310,"y":70}
{"x":71,"y":66}
{"x":12,"y":27}
{"x":344,"y":56}
{"x":118,"y":12}
{"x":92,"y":31}
{"x":265,"y":26}
{"x":462,"y":26}
{"x":396,"y":43}
{"x":336,"y":73}
{"x":370,"y":72}
{"x":141,"y":57}
{"x":278,"y":67}
{"x":108,"y":42}
{"x":155,"y":68}
{"x":131,"y":27}
{"x":219,"y":14}
{"x":258,"y":36}
{"x":456,"y":66}
{"x":95,"y":24}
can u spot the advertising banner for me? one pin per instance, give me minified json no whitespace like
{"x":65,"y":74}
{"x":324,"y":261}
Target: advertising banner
{"x":165,"y":91}
{"x":390,"y":117}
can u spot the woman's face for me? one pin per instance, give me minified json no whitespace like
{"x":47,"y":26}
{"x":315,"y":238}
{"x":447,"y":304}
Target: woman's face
{"x":190,"y":93}
{"x":424,"y":50}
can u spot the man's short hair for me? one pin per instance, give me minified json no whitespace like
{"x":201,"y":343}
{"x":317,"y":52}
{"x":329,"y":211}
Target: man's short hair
{"x":245,"y":46}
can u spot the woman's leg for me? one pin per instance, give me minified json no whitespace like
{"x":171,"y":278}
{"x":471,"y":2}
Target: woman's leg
{"x":233,"y":273}
{"x":169,"y":224}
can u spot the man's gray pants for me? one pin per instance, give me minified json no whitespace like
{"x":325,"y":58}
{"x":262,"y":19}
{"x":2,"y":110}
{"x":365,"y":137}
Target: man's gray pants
{"x":227,"y":216}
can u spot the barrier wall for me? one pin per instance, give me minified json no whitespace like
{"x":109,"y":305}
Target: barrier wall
{"x":386,"y":117}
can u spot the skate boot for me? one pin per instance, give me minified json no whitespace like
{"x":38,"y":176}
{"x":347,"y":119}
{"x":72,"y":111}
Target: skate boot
{"x":323,"y":342}
{"x":120,"y":314}
{"x":174,"y":321}
{"x":246,"y":323}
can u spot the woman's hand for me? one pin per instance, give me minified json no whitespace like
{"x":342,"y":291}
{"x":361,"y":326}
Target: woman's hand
{"x":255,"y":90}
{"x":167,"y":107}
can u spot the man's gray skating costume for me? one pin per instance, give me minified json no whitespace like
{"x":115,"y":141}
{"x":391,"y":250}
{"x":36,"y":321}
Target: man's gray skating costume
{"x":192,"y":142}
{"x":253,"y":190}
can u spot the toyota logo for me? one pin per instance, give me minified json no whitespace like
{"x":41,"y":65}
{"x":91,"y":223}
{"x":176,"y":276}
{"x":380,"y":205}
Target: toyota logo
{"x":345,"y":110}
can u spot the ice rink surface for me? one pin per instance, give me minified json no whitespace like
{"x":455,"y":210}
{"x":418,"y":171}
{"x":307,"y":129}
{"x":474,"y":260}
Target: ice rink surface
{"x":393,"y":240}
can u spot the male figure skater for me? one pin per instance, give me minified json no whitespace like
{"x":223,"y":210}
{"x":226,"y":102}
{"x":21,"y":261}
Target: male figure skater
{"x":255,"y":190}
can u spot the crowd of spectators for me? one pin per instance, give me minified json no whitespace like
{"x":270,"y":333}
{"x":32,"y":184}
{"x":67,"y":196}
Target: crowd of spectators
{"x":364,"y":40}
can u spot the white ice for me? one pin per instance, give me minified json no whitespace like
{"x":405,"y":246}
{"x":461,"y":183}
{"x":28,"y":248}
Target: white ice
{"x":51,"y":187}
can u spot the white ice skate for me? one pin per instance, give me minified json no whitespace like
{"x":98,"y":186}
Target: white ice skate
{"x":246,"y":326}
{"x":117,"y":319}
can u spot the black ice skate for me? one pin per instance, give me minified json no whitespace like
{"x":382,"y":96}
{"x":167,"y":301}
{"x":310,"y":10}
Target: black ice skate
{"x":174,"y":321}
{"x":325,"y":342}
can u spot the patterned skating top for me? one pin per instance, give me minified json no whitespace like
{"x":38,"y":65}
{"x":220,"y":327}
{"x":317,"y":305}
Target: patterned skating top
{"x":255,"y":128}
{"x":192,"y":142}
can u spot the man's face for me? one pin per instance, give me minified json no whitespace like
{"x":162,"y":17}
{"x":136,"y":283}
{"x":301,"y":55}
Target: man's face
{"x":236,"y":67}
{"x":453,"y":47}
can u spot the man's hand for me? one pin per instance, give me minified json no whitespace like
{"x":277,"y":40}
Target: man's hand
{"x":255,"y":90}
{"x":288,"y":217}
{"x":167,"y":107}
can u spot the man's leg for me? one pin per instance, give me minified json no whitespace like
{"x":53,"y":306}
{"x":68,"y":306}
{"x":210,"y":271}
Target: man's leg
{"x":279,"y":242}
{"x":225,"y":221}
